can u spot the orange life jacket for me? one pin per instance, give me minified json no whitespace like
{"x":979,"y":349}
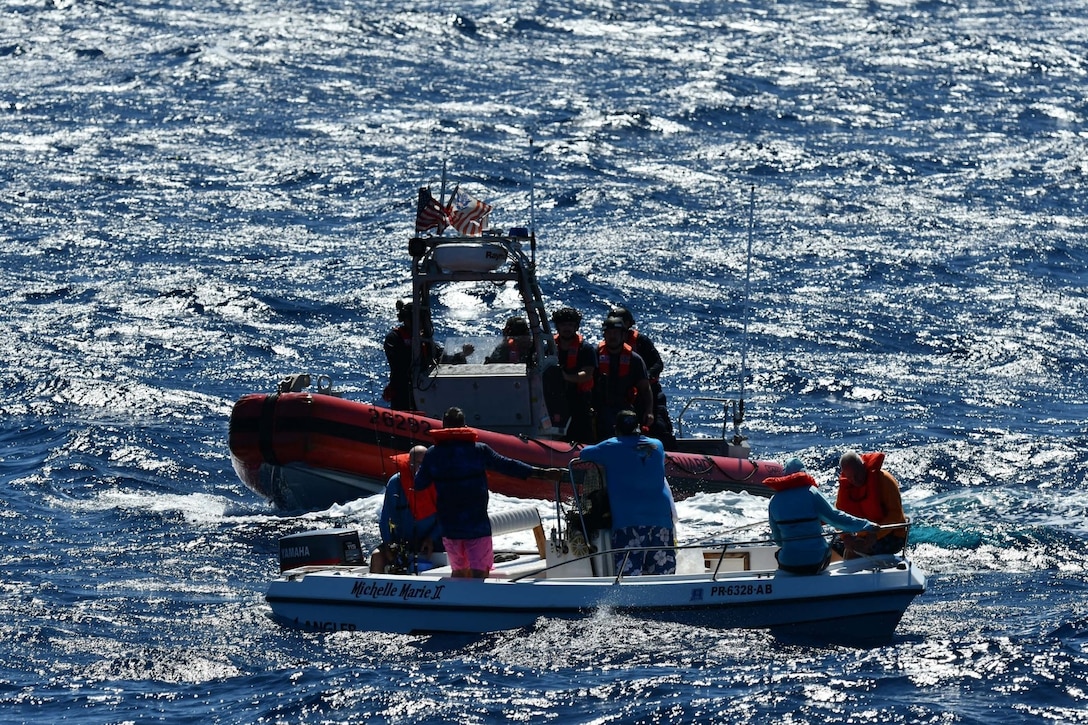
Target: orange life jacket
{"x":604,"y":365}
{"x":406,"y":337}
{"x":800,"y":479}
{"x":441,"y":435}
{"x":422,"y":504}
{"x":604,"y":359}
{"x":866,"y":501}
{"x":514,"y":350}
{"x":569,"y":361}
{"x":513,"y":353}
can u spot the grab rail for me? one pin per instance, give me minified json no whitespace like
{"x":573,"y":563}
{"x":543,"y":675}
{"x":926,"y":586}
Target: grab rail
{"x":705,"y":546}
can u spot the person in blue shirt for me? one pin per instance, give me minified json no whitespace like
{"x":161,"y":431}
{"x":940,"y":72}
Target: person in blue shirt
{"x":638,"y":496}
{"x":404,"y":535}
{"x":456,"y":465}
{"x":797,"y":514}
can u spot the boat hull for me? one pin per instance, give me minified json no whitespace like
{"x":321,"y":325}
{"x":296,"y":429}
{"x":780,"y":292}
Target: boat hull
{"x":844,"y":604}
{"x":311,"y":451}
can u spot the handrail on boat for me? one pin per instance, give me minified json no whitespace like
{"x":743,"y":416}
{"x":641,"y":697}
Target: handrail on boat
{"x":726,"y":402}
{"x":704,"y":546}
{"x":628,"y":550}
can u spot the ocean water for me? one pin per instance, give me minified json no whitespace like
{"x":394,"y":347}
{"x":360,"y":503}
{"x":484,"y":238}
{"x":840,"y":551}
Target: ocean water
{"x":199,"y":198}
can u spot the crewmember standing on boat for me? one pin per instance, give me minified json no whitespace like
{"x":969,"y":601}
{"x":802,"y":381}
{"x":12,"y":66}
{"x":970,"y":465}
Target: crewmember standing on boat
{"x":398,"y":353}
{"x":644,"y":346}
{"x":797,"y":513}
{"x":578,"y":364}
{"x":408,"y":522}
{"x":866,"y":489}
{"x":621,"y":383}
{"x":456,"y":465}
{"x":638,"y":496}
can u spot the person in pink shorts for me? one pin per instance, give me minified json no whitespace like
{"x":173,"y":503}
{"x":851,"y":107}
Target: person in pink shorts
{"x":457,"y":466}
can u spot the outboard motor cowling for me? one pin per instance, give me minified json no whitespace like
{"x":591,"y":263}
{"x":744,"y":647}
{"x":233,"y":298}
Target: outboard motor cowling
{"x":325,"y":547}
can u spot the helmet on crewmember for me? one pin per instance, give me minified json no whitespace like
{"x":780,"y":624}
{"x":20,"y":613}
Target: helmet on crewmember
{"x":516,"y":327}
{"x":624,"y":314}
{"x":613,"y":323}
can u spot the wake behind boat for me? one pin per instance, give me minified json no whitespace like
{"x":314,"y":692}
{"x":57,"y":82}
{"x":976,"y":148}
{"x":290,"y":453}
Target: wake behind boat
{"x":326,"y":586}
{"x":307,"y":450}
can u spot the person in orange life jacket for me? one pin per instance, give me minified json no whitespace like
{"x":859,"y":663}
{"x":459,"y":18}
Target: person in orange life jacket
{"x":639,"y":342}
{"x":621,"y":382}
{"x":517,"y":344}
{"x":644,"y":346}
{"x":578,"y":362}
{"x":398,"y":353}
{"x":456,"y":465}
{"x":866,"y":489}
{"x":797,"y":513}
{"x":638,"y":497}
{"x":407,"y":519}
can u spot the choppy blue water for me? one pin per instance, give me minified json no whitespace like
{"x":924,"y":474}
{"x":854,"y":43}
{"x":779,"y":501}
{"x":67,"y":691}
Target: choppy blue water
{"x":201,"y":197}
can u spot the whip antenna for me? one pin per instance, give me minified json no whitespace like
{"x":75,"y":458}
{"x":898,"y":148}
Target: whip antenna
{"x":738,"y":415}
{"x":532,"y":205}
{"x":442,"y":189}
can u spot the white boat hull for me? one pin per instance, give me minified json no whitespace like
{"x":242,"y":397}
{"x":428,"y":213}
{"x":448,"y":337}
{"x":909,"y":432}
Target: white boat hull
{"x":850,"y":601}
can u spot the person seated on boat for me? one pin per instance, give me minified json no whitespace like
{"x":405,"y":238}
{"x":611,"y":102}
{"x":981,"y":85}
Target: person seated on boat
{"x":517,"y":343}
{"x":456,"y":465}
{"x":638,"y":496}
{"x":398,"y":353}
{"x":797,"y":513}
{"x":621,"y":381}
{"x":644,"y":346}
{"x":408,"y":522}
{"x":866,"y":489}
{"x":577,"y":367}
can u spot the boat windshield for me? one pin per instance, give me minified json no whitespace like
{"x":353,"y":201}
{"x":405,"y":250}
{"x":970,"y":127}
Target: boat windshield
{"x":481,"y":349}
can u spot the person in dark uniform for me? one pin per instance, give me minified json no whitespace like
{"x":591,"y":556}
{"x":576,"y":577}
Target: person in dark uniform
{"x":621,"y":383}
{"x":516,"y":345}
{"x":578,"y":365}
{"x":398,"y":353}
{"x":644,"y":346}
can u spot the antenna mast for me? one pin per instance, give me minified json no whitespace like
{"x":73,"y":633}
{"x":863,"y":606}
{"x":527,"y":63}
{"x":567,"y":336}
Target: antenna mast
{"x":532,"y":206}
{"x":738,"y":414}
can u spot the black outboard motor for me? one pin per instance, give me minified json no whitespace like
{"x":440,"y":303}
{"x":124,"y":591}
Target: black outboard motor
{"x":326,"y":547}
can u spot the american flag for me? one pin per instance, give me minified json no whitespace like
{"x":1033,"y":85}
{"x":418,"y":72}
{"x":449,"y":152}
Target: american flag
{"x":467,"y":215}
{"x":429,"y":213}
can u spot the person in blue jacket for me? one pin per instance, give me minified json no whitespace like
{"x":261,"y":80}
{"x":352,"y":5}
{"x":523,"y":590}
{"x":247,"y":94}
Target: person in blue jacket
{"x":638,"y":496}
{"x":456,"y":465}
{"x":402,"y":533}
{"x":797,"y":514}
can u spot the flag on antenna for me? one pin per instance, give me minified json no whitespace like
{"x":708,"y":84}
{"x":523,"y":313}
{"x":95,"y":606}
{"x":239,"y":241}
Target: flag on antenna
{"x":467,"y":215}
{"x":429,"y":213}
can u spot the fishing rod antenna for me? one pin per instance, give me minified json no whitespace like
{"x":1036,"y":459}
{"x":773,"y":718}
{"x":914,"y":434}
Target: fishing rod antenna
{"x":532,"y":205}
{"x":442,"y":188}
{"x":738,"y":411}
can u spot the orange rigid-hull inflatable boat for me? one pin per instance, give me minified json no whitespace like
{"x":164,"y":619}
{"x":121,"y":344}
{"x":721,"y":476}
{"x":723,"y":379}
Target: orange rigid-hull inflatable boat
{"x":306,"y":451}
